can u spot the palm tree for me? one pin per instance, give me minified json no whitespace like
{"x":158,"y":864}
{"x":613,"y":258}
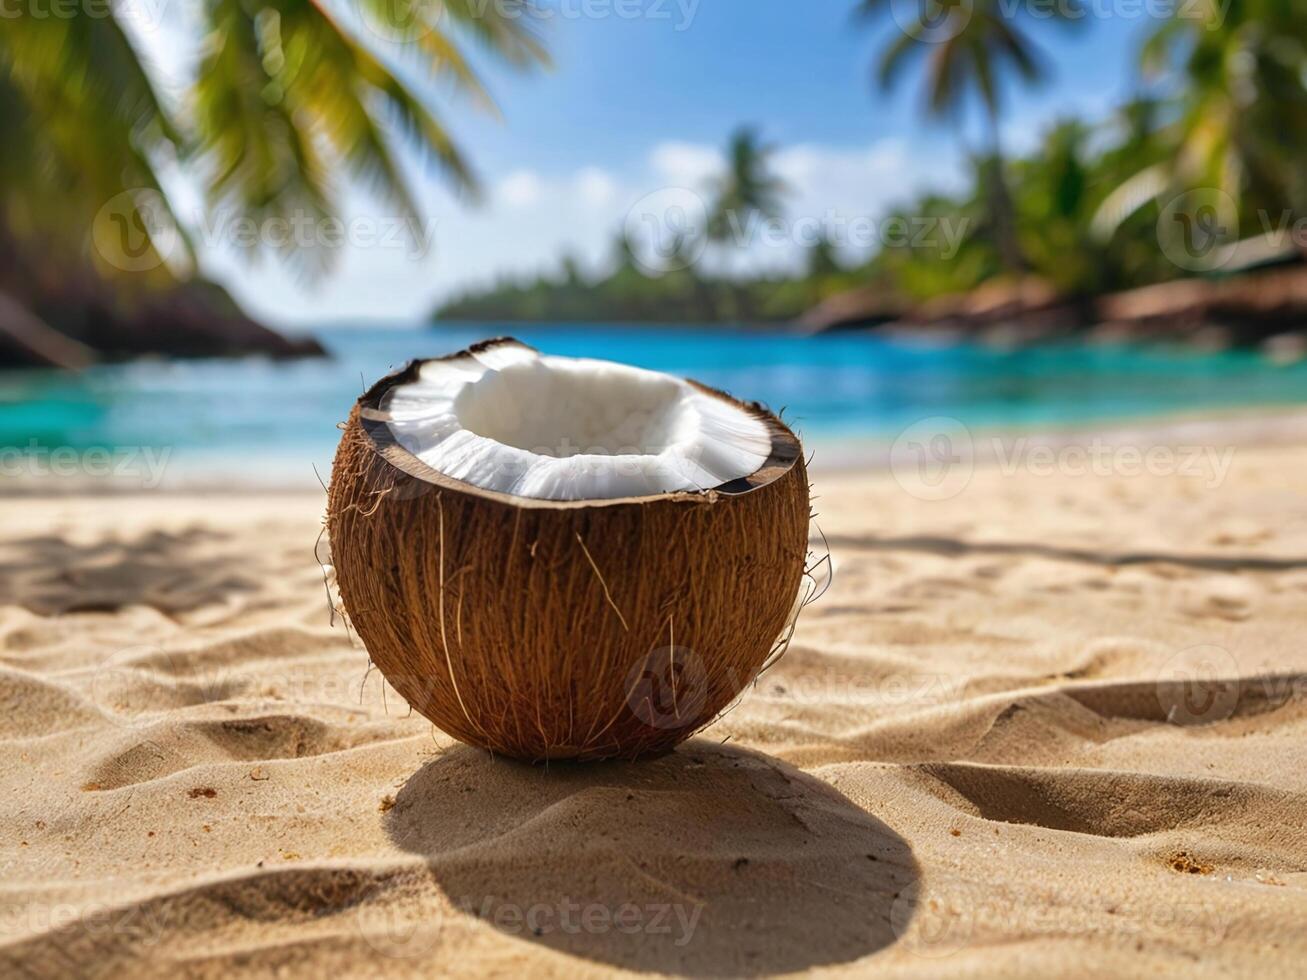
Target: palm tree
{"x":287,"y":101}
{"x":1226,"y":131}
{"x":822,"y":265}
{"x":823,"y":259}
{"x":1058,"y":189}
{"x":745,"y":193}
{"x":969,"y":45}
{"x":1242,"y":108}
{"x":747,"y":190}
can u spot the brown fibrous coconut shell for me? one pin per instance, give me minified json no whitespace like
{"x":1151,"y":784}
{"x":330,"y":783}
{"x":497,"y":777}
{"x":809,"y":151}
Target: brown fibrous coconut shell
{"x":563,"y":629}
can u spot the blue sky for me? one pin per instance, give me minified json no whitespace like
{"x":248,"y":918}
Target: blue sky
{"x":636,"y":104}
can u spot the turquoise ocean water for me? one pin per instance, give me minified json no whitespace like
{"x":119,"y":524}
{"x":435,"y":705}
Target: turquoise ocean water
{"x":273,"y":422}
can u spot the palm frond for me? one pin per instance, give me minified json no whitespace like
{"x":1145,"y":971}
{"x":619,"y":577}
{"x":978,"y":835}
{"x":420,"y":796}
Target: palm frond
{"x":285,"y":105}
{"x":85,"y":123}
{"x":1015,"y":49}
{"x":504,"y":28}
{"x":895,"y":58}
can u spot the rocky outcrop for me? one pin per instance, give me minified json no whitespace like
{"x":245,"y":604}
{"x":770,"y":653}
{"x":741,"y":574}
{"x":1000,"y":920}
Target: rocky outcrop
{"x":55,"y":313}
{"x":1002,"y":310}
{"x":1005,"y":312}
{"x":857,"y":309}
{"x":195,"y":319}
{"x":1248,"y":309}
{"x":82,"y":325}
{"x":27,"y":341}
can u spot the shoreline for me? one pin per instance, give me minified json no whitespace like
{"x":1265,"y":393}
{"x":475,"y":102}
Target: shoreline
{"x":1252,"y":428}
{"x":978,"y":446}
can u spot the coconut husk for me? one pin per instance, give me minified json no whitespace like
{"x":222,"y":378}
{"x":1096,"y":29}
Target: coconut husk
{"x":548,"y":629}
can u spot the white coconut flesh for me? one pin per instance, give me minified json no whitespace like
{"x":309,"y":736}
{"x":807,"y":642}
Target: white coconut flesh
{"x":508,"y":419}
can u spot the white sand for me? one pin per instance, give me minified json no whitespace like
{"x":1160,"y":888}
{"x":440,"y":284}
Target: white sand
{"x":979,"y":756}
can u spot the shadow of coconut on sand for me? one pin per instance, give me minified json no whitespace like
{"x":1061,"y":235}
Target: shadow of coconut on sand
{"x":708,"y":861}
{"x":544,"y":605}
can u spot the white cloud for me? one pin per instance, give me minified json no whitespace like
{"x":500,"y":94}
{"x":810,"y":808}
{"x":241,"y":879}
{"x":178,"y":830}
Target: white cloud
{"x":520,"y":189}
{"x":807,"y":164}
{"x":850,"y":181}
{"x":530,"y":220}
{"x":843,"y":189}
{"x":685,"y":164}
{"x":863,"y":181}
{"x":595,"y":187}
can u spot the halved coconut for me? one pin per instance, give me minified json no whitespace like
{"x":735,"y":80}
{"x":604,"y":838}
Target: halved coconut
{"x":556,"y":558}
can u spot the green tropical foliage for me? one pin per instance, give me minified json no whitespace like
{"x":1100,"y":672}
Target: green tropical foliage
{"x":969,"y":49}
{"x":676,"y":288}
{"x":1222,"y":111}
{"x":747,"y":190}
{"x":1234,"y":117}
{"x":1222,"y":117}
{"x":286,"y":102}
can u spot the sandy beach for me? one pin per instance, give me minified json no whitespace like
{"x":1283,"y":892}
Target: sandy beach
{"x":1050,"y":717}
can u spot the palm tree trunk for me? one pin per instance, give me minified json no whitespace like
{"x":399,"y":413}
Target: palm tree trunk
{"x":1001,"y":207}
{"x":708,"y":300}
{"x":744,"y":311}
